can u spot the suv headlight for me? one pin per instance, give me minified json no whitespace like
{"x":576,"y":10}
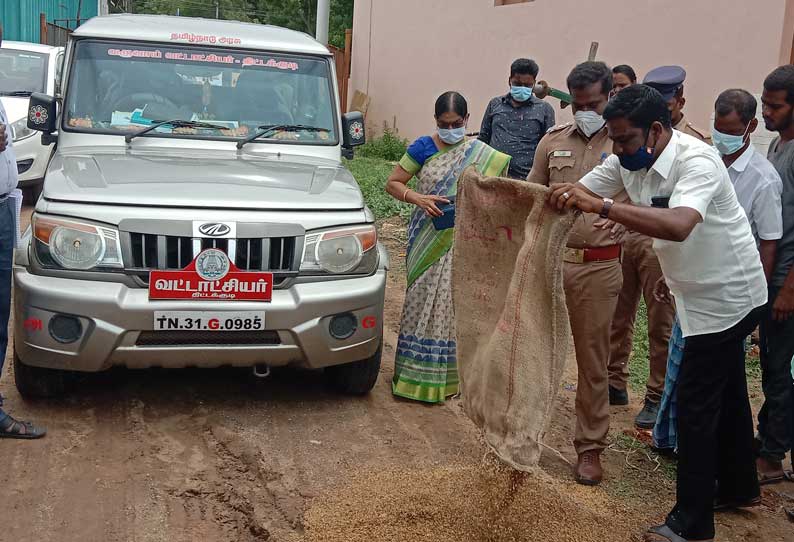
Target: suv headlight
{"x":75,"y":245}
{"x":20,"y":130}
{"x":341,"y":250}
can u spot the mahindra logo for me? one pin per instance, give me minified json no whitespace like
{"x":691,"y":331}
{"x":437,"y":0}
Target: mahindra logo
{"x":214,"y":229}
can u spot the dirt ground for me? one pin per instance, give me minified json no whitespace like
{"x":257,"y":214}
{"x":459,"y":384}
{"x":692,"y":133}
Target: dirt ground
{"x":217,"y":455}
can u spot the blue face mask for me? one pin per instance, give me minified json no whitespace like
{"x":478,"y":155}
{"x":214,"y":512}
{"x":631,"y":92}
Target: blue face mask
{"x":727,"y":143}
{"x":450,"y":136}
{"x":520,"y":94}
{"x":641,"y":159}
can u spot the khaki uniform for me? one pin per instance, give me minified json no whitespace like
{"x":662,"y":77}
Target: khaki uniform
{"x":592,"y":287}
{"x":641,"y":270}
{"x":688,"y":128}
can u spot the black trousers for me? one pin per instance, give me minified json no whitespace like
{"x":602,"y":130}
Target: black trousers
{"x":775,"y":418}
{"x":715,"y":429}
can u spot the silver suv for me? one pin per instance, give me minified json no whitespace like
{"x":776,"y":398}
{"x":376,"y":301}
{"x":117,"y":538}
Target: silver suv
{"x":196,"y":211}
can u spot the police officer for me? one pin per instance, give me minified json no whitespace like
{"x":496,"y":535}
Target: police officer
{"x":641,"y":271}
{"x":592,"y":259}
{"x":669,"y":81}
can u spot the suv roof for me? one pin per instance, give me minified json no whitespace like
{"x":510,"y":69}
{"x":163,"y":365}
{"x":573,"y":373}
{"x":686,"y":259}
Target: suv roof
{"x":208,"y":32}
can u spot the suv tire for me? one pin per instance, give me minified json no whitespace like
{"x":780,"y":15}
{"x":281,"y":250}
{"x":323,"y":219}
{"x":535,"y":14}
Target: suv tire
{"x":36,"y":382}
{"x":356,"y":378}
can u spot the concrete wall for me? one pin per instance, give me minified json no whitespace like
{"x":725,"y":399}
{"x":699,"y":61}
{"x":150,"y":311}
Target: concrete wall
{"x":407,"y":52}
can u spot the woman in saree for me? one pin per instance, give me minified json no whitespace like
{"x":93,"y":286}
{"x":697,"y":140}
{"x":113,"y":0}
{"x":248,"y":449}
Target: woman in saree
{"x":426,"y":364}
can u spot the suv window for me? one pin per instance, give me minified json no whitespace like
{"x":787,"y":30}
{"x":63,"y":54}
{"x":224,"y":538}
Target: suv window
{"x":22,"y":71}
{"x":122,"y":87}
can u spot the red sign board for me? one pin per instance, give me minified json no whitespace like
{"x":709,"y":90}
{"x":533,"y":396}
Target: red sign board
{"x":211,"y":277}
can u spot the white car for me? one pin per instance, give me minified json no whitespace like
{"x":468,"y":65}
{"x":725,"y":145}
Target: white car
{"x":26,"y":68}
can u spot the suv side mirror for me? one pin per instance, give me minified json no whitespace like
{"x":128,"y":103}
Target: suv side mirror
{"x":42,"y":113}
{"x":353,"y":130}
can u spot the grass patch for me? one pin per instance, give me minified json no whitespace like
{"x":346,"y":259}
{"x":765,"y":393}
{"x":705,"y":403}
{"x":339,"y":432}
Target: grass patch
{"x":753,"y":365}
{"x":371,"y":174}
{"x":389,"y":146}
{"x":639,"y":367}
{"x":644,"y":473}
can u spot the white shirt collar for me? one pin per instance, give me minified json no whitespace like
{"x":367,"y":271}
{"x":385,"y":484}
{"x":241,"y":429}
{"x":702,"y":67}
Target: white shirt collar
{"x":740,"y":164}
{"x":664,"y":163}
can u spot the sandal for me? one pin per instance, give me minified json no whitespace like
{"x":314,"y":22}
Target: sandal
{"x":770,"y":471}
{"x":771,"y":478}
{"x":735,"y":504}
{"x":11,"y":428}
{"x":663,"y":533}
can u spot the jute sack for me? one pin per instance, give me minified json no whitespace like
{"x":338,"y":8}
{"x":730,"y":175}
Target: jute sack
{"x":512,"y":323}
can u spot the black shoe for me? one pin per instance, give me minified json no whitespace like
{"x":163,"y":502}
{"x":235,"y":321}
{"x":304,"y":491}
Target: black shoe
{"x":618,"y":397}
{"x":646,"y":419}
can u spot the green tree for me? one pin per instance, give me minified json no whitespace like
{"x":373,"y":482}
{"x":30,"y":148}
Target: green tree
{"x":298,"y":15}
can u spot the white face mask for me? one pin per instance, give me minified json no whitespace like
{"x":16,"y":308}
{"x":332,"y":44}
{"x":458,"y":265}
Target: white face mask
{"x":588,"y":122}
{"x":450,"y":136}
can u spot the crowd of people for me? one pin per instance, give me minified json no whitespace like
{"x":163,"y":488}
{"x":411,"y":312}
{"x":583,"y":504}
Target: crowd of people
{"x":700,"y":226}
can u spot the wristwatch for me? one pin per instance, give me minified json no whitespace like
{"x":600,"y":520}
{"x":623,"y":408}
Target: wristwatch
{"x":607,"y":206}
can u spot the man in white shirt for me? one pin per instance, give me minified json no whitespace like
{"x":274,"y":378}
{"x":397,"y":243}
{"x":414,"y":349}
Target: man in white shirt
{"x":759,"y":188}
{"x":9,"y":427}
{"x":756,"y":181}
{"x":682,"y":197}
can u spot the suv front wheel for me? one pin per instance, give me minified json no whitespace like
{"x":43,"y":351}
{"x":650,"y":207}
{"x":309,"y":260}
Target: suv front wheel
{"x":35,"y":382}
{"x":356,"y":378}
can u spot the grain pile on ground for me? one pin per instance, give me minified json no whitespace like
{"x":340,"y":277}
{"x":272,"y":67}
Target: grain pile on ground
{"x":510,"y":314}
{"x":477,"y":503}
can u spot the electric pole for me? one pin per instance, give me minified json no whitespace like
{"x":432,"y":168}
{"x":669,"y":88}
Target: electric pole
{"x":217,"y":9}
{"x":323,"y":15}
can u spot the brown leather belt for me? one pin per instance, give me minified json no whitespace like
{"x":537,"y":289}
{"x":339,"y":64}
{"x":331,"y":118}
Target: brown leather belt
{"x":584,"y":255}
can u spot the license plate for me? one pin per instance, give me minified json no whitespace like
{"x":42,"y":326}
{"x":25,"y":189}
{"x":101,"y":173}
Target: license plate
{"x":209,"y":321}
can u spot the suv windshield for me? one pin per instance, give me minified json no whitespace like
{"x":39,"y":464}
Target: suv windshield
{"x":123,"y":88}
{"x":22,"y":72}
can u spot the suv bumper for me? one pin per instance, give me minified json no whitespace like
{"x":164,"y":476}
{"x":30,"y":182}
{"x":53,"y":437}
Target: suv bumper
{"x":113,"y":316}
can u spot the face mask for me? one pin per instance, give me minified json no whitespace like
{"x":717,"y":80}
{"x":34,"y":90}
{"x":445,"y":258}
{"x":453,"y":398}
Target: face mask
{"x":588,"y":122}
{"x":727,"y":143}
{"x":520,"y":94}
{"x":450,"y":136}
{"x":641,"y":159}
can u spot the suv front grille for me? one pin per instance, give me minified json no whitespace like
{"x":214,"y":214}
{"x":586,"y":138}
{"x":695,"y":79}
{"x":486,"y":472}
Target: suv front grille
{"x":277,"y":255}
{"x":201,"y":338}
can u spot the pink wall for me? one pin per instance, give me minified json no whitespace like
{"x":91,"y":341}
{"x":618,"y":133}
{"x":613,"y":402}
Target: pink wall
{"x":406,"y":52}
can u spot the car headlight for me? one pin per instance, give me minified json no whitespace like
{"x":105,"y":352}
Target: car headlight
{"x":341,"y":250}
{"x":75,"y":245}
{"x":20,"y":130}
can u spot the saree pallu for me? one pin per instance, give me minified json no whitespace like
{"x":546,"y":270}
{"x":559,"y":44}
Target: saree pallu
{"x":426,"y":361}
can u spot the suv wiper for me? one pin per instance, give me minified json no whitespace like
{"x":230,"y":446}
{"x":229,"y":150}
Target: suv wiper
{"x":17,"y":93}
{"x":266,"y":129}
{"x":176,"y":123}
